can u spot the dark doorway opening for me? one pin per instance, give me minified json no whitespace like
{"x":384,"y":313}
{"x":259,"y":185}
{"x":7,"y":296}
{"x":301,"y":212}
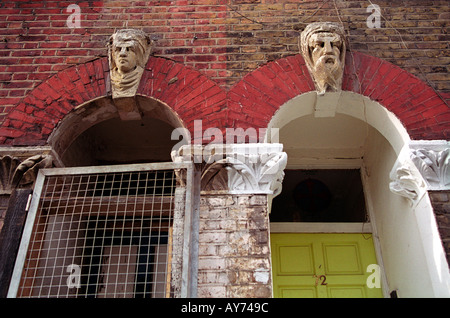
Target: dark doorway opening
{"x":322,"y":195}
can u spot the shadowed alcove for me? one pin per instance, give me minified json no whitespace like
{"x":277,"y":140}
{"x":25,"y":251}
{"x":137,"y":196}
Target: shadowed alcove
{"x":94,"y":134}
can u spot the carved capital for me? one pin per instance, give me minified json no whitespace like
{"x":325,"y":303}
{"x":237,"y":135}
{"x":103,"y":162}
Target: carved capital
{"x":238,"y":168}
{"x":432,"y":159}
{"x":256,"y":168}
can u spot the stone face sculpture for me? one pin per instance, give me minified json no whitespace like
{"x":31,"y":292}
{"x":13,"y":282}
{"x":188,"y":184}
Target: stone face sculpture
{"x":128,"y":52}
{"x":323,"y":48}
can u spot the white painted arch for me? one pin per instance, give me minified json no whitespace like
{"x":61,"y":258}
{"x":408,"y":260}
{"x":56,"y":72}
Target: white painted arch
{"x":346,"y":103}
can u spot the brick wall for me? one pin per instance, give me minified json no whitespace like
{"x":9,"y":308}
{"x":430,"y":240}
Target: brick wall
{"x":234,"y":253}
{"x":223,"y":39}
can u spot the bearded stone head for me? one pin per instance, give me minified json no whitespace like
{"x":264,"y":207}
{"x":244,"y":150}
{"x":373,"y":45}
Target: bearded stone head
{"x":323,"y":48}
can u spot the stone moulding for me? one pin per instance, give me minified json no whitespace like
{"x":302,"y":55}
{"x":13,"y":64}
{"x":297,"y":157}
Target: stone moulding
{"x":250,"y":168}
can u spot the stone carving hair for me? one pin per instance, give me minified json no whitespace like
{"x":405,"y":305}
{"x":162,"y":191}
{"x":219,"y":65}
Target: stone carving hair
{"x":323,"y":48}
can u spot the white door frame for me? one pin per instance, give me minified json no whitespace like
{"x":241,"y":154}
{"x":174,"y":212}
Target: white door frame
{"x":356,"y":227}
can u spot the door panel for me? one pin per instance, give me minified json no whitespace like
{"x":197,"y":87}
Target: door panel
{"x":322,"y":265}
{"x":341,"y":258}
{"x":296,"y":260}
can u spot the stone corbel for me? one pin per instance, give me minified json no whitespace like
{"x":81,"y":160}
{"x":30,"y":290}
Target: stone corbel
{"x":407,"y":182}
{"x":16,"y":173}
{"x":432,"y":159}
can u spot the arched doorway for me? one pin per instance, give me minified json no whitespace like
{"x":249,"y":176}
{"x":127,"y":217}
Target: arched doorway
{"x":325,"y":152}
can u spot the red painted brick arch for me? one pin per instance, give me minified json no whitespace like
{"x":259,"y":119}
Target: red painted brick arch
{"x":250,"y":103}
{"x":189,"y":93}
{"x":254,"y":100}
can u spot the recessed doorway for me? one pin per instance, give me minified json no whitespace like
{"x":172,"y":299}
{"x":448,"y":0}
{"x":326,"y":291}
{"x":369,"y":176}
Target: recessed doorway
{"x":320,"y":195}
{"x":321,"y":246}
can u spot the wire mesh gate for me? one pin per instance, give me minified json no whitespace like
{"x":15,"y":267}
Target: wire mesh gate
{"x":102,"y":232}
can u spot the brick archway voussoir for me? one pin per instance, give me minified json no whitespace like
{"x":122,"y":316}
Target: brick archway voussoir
{"x":254,"y":100}
{"x":35,"y":117}
{"x":190,"y":94}
{"x":251,"y":102}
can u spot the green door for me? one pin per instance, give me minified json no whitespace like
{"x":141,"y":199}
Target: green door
{"x":322,"y":265}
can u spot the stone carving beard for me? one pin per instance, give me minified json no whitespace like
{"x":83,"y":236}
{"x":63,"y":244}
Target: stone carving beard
{"x":323,"y":48}
{"x":328,"y":73}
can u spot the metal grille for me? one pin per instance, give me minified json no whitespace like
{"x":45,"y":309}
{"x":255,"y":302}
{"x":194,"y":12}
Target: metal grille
{"x":105,"y":234}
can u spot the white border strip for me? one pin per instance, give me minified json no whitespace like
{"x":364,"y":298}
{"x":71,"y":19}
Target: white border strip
{"x":309,"y":227}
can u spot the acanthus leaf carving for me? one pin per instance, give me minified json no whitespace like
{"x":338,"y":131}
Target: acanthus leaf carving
{"x":262,"y":172}
{"x":434,"y":166}
{"x":238,"y":168}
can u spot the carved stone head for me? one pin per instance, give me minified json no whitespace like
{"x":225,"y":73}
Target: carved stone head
{"x":128,"y":52}
{"x":323,"y":48}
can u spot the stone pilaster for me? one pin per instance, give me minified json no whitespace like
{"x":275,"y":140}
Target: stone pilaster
{"x":238,"y":183}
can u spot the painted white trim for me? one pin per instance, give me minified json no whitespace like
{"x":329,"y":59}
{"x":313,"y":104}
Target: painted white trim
{"x":310,"y":227}
{"x":375,"y":238}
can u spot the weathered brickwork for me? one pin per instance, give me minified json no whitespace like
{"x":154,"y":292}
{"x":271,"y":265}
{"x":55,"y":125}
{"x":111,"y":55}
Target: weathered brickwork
{"x":223,"y":39}
{"x":441,"y":206}
{"x":234,"y":253}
